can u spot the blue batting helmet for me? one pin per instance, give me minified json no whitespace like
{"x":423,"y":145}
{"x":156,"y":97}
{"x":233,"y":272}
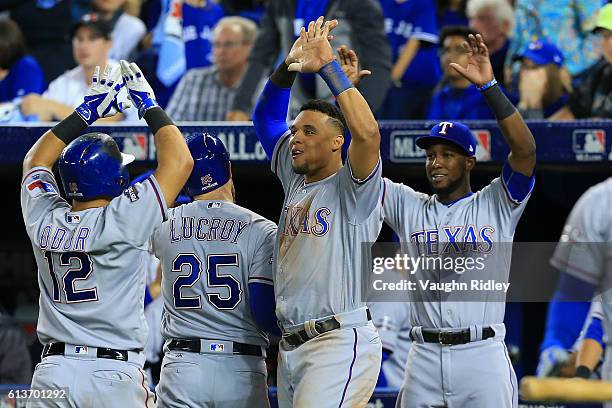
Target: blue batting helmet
{"x":92,"y":166}
{"x":211,"y":164}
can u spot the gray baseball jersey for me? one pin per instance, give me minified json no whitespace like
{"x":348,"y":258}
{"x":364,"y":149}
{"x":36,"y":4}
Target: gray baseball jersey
{"x":320,"y":235}
{"x":584,"y":250}
{"x":210,"y":251}
{"x":477,"y":222}
{"x":91,"y":268}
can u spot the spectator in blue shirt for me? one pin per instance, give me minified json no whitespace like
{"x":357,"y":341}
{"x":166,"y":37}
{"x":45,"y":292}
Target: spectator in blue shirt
{"x":198,"y":24}
{"x":456,"y":98}
{"x":542,"y":90}
{"x":451,"y":13}
{"x":20,"y":74}
{"x":413,"y":34}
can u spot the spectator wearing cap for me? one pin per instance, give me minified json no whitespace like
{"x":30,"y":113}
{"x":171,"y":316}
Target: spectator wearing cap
{"x":566,"y":23}
{"x":412,"y":33}
{"x":91,"y":43}
{"x":127,"y":30}
{"x":207,"y":93}
{"x":20,"y":73}
{"x":592,"y":98}
{"x":456,"y":97}
{"x":542,"y":90}
{"x":494,"y":20}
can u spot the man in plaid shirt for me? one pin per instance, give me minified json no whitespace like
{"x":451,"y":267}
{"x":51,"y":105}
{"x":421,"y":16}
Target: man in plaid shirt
{"x":207,"y":93}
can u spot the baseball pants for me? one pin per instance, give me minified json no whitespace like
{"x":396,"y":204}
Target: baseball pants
{"x":91,"y":382}
{"x":476,"y":375}
{"x":205,"y":380}
{"x":336,"y":369}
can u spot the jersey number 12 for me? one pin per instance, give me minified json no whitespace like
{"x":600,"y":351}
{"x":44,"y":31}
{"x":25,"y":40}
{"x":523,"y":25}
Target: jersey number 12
{"x":83,"y":268}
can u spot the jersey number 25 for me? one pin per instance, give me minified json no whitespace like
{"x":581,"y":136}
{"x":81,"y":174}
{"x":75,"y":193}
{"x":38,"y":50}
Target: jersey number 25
{"x":214,"y":280}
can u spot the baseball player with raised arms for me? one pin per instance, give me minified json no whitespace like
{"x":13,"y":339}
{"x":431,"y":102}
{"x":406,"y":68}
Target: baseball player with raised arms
{"x":330,"y":352}
{"x":89,"y":251}
{"x":583,"y":256}
{"x":458,"y":357}
{"x":217,"y":287}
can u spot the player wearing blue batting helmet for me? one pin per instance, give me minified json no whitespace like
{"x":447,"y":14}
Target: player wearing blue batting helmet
{"x":92,"y":166}
{"x":211,"y":164}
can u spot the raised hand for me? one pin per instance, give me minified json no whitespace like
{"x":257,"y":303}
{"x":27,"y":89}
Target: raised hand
{"x":479,"y":70}
{"x":101,"y":100}
{"x":139,"y":90}
{"x":350,"y":65}
{"x":316,"y":51}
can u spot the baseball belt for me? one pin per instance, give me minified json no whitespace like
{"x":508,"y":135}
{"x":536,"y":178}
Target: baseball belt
{"x":454,"y":337}
{"x":194,"y":346}
{"x":321,"y":326}
{"x":57,"y":349}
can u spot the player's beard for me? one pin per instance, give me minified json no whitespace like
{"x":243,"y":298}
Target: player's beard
{"x":302,"y":169}
{"x":450,"y":188}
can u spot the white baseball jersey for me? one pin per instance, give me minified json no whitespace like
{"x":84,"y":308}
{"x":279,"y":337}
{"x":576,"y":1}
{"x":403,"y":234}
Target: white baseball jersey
{"x":210,"y":251}
{"x":584,"y":250}
{"x":472,"y":225}
{"x":91,"y":263}
{"x":321,"y":232}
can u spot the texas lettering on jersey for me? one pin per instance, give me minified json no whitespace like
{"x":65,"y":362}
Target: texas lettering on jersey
{"x":299,"y":220}
{"x":456,"y":239}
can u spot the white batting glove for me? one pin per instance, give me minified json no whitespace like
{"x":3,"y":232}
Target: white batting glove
{"x":101,"y":100}
{"x":551,"y":360}
{"x":139,"y":90}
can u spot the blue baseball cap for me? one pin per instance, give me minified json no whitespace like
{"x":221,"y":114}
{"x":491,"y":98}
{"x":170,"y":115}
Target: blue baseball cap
{"x":453,"y":132}
{"x":542,"y":53}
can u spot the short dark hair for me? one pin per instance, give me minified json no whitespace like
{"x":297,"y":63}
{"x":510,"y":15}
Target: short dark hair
{"x":329,"y":109}
{"x":456,"y":30}
{"x":12,"y":43}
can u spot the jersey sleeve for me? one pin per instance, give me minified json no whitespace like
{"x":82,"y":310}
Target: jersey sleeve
{"x":398,"y":199}
{"x":39,"y":198}
{"x":507,"y":196}
{"x":138,"y":211}
{"x":360,"y":197}
{"x":581,"y":248}
{"x":260,"y":270}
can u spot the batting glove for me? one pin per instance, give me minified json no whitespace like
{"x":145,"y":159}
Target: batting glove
{"x":551,"y":360}
{"x":101,"y":100}
{"x":139,"y":90}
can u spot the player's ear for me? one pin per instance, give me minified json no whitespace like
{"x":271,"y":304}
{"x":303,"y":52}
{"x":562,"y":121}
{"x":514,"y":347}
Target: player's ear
{"x":470,"y":162}
{"x":337,"y":142}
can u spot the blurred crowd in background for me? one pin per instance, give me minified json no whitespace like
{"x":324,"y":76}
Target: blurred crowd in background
{"x":207,"y":59}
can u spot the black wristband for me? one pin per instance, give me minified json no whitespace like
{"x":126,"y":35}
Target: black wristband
{"x":583,"y":372}
{"x":70,"y":128}
{"x":282,"y":77}
{"x":498,"y":102}
{"x":156,"y":119}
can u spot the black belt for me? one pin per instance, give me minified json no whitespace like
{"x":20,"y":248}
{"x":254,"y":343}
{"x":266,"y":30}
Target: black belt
{"x":300,"y":337}
{"x":57,"y":349}
{"x":454,"y":337}
{"x":194,"y":346}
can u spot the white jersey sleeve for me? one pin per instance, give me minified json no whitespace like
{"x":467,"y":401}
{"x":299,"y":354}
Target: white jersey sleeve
{"x":260,"y":270}
{"x":398,"y":199}
{"x":360,"y":197}
{"x":582,"y":251}
{"x":507,"y":198}
{"x":39,"y":198}
{"x":142,"y":201}
{"x":281,"y":161}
